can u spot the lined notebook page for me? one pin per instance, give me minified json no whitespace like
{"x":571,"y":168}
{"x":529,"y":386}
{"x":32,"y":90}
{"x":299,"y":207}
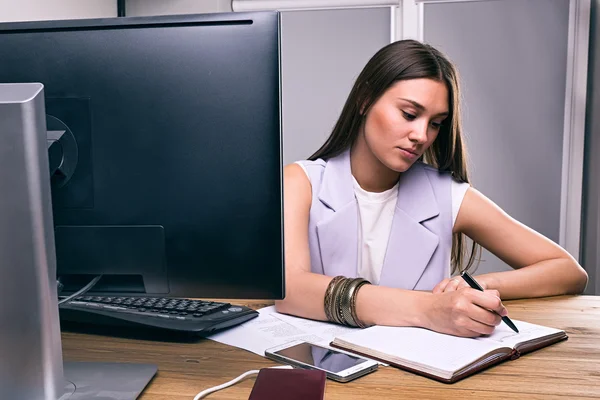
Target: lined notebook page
{"x":504,"y":336}
{"x":420,"y":346}
{"x":436,"y":350}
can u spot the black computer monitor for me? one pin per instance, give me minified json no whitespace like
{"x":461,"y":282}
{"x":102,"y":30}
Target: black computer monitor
{"x":168,"y":177}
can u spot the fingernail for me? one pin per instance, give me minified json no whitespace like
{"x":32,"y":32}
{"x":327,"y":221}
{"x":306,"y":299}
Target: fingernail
{"x":504,"y":312}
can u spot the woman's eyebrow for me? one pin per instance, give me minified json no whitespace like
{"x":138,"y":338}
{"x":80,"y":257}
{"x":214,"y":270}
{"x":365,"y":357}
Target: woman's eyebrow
{"x":420,"y":107}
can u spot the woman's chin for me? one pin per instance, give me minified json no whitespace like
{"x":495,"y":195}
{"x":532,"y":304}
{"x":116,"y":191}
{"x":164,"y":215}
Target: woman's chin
{"x":400,"y":165}
{"x":400,"y":160}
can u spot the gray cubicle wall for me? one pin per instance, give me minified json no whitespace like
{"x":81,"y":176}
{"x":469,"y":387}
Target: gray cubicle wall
{"x":322,"y":53}
{"x":39,"y":10}
{"x":512,"y":58}
{"x":136,"y":8}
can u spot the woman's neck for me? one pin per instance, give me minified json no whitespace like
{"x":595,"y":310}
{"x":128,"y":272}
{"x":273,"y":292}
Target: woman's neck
{"x":368,"y":171}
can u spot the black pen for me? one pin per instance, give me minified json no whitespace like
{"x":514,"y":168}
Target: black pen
{"x":465,"y":275}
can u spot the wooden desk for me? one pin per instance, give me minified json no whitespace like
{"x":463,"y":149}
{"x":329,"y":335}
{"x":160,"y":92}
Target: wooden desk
{"x":566,"y":370}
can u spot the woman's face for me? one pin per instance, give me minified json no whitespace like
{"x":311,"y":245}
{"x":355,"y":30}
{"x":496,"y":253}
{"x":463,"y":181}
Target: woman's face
{"x":405,"y":121}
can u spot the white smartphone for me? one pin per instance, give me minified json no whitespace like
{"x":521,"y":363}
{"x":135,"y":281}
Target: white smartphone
{"x":338,"y":365}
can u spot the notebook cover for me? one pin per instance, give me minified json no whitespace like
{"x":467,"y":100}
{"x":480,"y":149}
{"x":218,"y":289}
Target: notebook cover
{"x":289,"y":384}
{"x":516,"y":353}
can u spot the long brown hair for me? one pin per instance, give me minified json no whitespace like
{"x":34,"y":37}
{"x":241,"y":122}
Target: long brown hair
{"x":403,"y":60}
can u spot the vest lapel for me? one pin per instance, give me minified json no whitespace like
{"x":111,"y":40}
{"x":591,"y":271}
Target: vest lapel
{"x":410,"y":245}
{"x":338,"y":234}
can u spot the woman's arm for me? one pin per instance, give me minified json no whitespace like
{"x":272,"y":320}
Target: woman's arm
{"x":462,"y":313}
{"x":542,"y":268}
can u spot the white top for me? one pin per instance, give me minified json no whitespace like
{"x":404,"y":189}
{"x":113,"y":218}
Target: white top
{"x":376,"y":212}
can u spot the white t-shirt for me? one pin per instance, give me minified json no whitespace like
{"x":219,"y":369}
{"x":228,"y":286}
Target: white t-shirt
{"x":376,"y":212}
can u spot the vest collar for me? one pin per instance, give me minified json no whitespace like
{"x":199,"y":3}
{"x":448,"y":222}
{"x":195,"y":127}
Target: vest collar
{"x":415,"y":194}
{"x":410,"y":246}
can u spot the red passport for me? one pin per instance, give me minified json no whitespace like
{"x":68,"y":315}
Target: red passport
{"x":288,"y":384}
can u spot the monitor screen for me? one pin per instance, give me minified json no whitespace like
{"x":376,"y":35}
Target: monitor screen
{"x":168,"y":177}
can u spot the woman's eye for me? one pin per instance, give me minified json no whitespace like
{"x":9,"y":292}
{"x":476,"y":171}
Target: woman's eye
{"x":409,"y":117}
{"x":436,"y":125}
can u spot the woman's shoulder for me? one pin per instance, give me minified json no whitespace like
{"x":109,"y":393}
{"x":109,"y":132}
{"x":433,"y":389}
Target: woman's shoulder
{"x":296,"y":179}
{"x":313,"y":169}
{"x":304,"y":169}
{"x":312,"y":164}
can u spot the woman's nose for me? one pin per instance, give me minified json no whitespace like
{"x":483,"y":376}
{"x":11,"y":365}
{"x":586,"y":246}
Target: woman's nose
{"x":419,"y":133}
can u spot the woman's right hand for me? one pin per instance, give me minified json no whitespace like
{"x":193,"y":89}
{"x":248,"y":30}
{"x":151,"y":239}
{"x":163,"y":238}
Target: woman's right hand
{"x":465,"y":312}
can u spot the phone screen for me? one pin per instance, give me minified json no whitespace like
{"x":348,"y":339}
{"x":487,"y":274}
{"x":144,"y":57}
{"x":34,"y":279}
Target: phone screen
{"x":320,"y":357}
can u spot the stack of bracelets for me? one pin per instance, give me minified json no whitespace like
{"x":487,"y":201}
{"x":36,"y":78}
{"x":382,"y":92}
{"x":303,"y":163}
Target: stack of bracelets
{"x":340,"y":300}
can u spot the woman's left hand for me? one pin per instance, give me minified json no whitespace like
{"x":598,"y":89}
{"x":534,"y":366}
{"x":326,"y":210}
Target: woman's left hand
{"x":452,"y":284}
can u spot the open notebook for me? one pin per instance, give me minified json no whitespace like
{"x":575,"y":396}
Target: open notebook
{"x":444,"y":357}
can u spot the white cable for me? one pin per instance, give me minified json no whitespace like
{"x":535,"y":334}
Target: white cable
{"x":206,"y":392}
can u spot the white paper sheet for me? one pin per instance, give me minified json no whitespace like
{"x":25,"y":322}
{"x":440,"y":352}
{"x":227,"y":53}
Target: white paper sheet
{"x":272,"y":329}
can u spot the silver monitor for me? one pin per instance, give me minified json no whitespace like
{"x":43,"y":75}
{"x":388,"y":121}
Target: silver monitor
{"x":31,"y":364}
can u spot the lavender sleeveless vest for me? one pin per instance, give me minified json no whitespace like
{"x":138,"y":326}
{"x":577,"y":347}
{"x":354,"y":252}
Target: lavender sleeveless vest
{"x":419,"y":246}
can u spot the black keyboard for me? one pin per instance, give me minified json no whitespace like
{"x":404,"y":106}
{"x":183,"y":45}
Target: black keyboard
{"x":197,"y":317}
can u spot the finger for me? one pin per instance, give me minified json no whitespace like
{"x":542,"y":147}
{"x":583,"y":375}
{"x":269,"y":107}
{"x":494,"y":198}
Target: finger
{"x":493,"y":291}
{"x":487,"y":300}
{"x":478,"y":327}
{"x":483,"y":316}
{"x":466,"y":326}
{"x":452,"y":285}
{"x":439,"y":288}
{"x":463,"y":332}
{"x":483,"y":284}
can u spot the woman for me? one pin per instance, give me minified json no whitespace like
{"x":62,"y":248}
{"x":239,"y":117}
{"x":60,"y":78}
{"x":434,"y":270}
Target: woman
{"x":375,"y":219}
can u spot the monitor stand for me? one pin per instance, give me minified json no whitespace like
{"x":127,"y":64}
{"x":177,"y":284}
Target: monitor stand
{"x":105,"y":381}
{"x":31,"y":361}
